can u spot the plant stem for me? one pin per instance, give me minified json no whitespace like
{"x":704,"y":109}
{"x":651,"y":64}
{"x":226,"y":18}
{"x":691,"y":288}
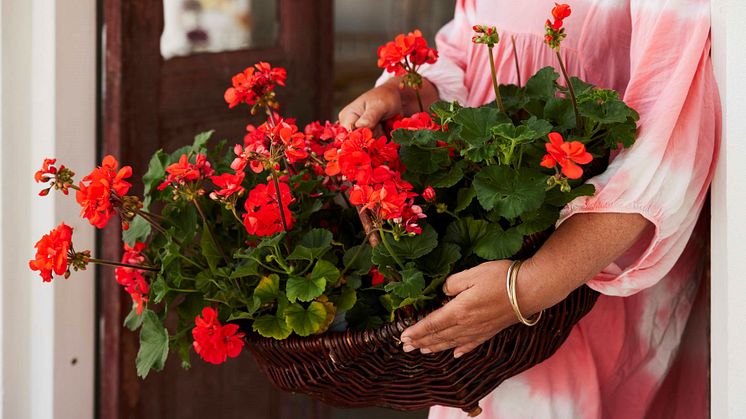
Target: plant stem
{"x":370,"y":231}
{"x":276,"y":183}
{"x":571,"y":89}
{"x":498,"y":98}
{"x":208,"y":230}
{"x":188,"y":259}
{"x":181,"y":290}
{"x":419,"y":99}
{"x":357,"y":254}
{"x":388,"y":248}
{"x":515,"y":59}
{"x":126,"y":265}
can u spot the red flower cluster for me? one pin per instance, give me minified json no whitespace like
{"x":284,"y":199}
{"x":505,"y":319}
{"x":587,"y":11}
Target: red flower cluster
{"x":405,"y":53}
{"x":95,"y":191}
{"x":262,"y":217}
{"x":555,"y":32}
{"x":567,"y":154}
{"x":62,"y":176}
{"x":52,"y":253}
{"x":213,"y":341}
{"x":373,"y":167}
{"x":183,"y":171}
{"x":255,"y":85}
{"x":321,"y":138}
{"x":132,"y":279}
{"x":418,"y":121}
{"x":486,"y":35}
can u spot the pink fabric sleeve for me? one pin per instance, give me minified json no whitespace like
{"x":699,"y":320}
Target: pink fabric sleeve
{"x":452,"y":42}
{"x":666,"y":174}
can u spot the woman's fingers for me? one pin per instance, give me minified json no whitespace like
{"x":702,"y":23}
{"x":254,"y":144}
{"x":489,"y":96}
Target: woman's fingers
{"x":351,"y":113}
{"x":464,"y":349}
{"x":458,"y":283}
{"x":452,"y":338}
{"x":432,"y":325}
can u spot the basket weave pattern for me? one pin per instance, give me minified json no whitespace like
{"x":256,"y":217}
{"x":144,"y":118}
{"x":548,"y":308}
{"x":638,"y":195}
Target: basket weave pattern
{"x":369,"y":368}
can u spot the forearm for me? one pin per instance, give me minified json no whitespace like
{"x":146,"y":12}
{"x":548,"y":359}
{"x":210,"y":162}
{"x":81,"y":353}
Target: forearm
{"x":428,"y":94}
{"x":578,"y":250}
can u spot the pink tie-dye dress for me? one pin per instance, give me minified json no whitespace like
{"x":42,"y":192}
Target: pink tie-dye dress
{"x":642,"y":351}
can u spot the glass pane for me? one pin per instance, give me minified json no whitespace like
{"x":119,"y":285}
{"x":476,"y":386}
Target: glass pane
{"x":362,"y":25}
{"x":195,"y":26}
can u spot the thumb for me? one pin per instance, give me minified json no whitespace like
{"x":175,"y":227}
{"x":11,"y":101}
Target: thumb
{"x":372,"y":115}
{"x":458,"y":283}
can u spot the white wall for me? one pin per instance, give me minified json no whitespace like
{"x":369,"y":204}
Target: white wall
{"x":728,"y":317}
{"x":48,"y":110}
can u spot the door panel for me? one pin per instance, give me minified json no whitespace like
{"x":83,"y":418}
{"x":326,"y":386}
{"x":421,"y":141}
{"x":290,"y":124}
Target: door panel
{"x":151,"y":103}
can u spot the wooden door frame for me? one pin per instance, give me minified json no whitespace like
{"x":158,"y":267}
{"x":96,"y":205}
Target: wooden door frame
{"x":129,"y":130}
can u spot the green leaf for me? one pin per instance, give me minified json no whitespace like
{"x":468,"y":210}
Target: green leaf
{"x":444,"y":111}
{"x":440,"y":261}
{"x":476,"y":123}
{"x":508,"y":191}
{"x":268,"y":288}
{"x":464,"y":196}
{"x":447,"y":178}
{"x":513,"y":97}
{"x":362,"y":264}
{"x":325,"y":270}
{"x":272,"y":326}
{"x":138,"y":231}
{"x":423,"y":137}
{"x":200,"y":141}
{"x":306,"y":321}
{"x":313,"y":244}
{"x":581,"y":87}
{"x":159,"y":289}
{"x":424,"y":160}
{"x":542,"y":84}
{"x":561,"y":113}
{"x":304,"y":289}
{"x":510,"y":133}
{"x":133,"y":320}
{"x":466,"y":232}
{"x":498,"y":244}
{"x":624,"y":134}
{"x":156,"y":172}
{"x":540,"y":127}
{"x":538,"y":220}
{"x":557,"y":198}
{"x":153,"y":345}
{"x":410,"y":286}
{"x":346,"y":300}
{"x":406,"y":247}
{"x":209,"y":251}
{"x":250,"y":268}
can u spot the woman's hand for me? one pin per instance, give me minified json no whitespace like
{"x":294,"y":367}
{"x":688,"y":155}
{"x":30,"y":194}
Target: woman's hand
{"x":385,"y":101}
{"x":479,"y":310}
{"x":580,"y":248}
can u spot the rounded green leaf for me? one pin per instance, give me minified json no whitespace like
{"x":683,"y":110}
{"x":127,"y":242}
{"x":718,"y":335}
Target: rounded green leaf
{"x":305,"y":289}
{"x":272,"y":326}
{"x":508,"y":191}
{"x":498,"y":244}
{"x":306,"y":321}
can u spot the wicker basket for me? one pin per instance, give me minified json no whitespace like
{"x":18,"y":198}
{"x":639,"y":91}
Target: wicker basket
{"x":369,"y":368}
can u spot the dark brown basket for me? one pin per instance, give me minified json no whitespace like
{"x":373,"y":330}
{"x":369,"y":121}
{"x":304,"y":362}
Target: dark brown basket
{"x":369,"y":368}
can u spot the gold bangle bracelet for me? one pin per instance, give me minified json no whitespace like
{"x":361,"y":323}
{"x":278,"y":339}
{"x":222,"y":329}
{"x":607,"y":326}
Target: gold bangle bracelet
{"x":510,"y":279}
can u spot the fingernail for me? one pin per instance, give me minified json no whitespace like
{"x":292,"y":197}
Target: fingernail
{"x":458,"y":354}
{"x":426,"y":351}
{"x":408,"y":348}
{"x":406,"y":339}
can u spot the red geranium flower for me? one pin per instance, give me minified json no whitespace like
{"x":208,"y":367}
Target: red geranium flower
{"x":429,"y":194}
{"x":405,"y":53}
{"x":229,"y":185}
{"x":567,"y":154}
{"x":132,"y":279}
{"x":555,"y":33}
{"x":560,"y":12}
{"x":293,"y":141}
{"x":255,"y":84}
{"x":215,"y":342}
{"x":418,"y":121}
{"x":95,"y":190}
{"x":183,"y":171}
{"x":376,"y":277}
{"x":262,"y":216}
{"x":52,"y":253}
